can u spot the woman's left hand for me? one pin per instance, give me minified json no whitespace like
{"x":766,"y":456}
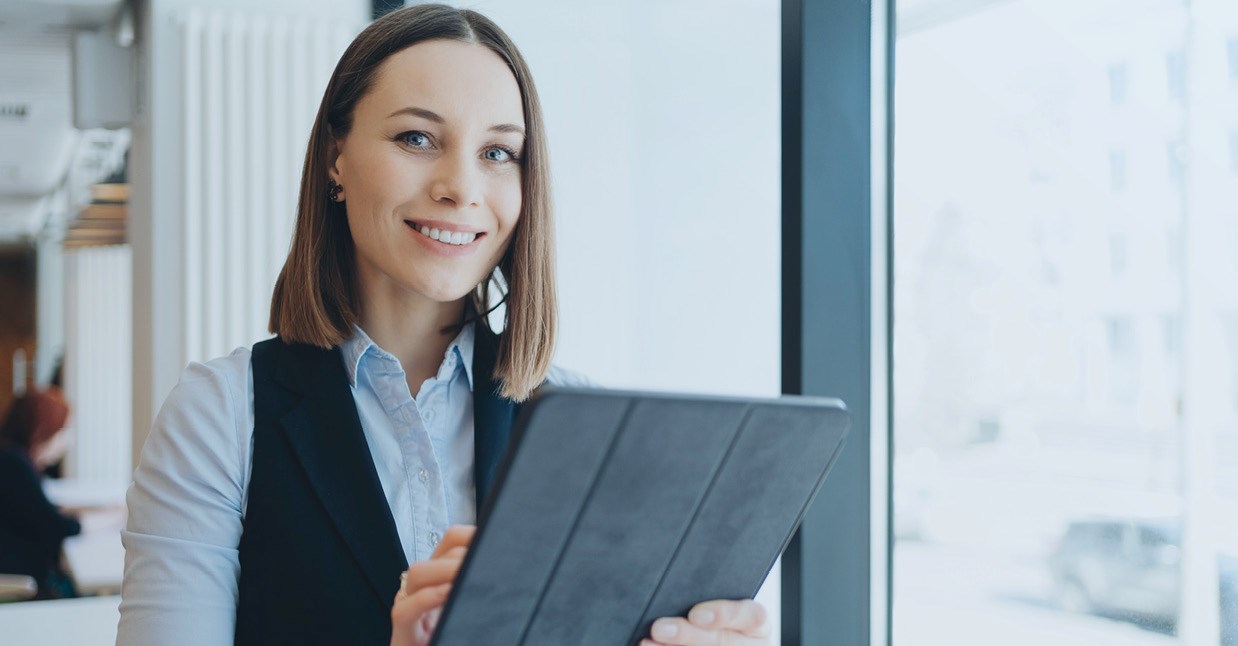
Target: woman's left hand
{"x":714,"y":623}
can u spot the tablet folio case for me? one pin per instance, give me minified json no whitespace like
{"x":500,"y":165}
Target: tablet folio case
{"x":613,"y":509}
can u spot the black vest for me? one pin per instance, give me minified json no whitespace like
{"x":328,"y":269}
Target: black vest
{"x":320,"y":557}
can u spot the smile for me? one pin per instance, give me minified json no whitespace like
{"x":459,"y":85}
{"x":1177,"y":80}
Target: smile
{"x":453,"y":238}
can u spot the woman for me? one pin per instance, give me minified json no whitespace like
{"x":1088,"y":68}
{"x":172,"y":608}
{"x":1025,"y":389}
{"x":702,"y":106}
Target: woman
{"x":282,"y":492}
{"x":31,"y":528}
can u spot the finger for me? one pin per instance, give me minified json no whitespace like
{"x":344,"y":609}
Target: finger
{"x":456,"y":536}
{"x":426,"y":625}
{"x":407,"y":611}
{"x":432,"y":572}
{"x":677,"y":631}
{"x":746,"y":617}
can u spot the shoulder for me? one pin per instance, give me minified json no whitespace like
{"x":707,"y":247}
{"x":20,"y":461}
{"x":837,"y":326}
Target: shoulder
{"x":195,"y":458}
{"x":219,"y":384}
{"x":560,"y":377}
{"x":203,"y":420}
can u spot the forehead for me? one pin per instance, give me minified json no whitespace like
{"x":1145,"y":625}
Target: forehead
{"x":463,"y":82}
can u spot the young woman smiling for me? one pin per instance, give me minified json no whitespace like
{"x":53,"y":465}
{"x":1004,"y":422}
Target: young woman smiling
{"x":284,"y":492}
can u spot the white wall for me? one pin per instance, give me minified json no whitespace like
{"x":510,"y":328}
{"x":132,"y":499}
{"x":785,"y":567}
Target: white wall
{"x":663,"y":118}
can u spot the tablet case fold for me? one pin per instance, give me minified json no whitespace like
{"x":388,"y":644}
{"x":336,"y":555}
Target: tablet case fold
{"x":612,"y":509}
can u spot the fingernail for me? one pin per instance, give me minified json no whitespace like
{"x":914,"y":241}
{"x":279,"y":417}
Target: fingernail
{"x":703,"y":617}
{"x":665,"y":630}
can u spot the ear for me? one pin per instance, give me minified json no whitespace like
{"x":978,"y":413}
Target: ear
{"x":333,"y":159}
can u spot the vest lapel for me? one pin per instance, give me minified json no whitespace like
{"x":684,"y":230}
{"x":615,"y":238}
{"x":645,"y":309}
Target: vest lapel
{"x":325,"y":433}
{"x":493,"y":414}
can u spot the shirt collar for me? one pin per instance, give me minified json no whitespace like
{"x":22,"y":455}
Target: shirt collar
{"x":360,"y":344}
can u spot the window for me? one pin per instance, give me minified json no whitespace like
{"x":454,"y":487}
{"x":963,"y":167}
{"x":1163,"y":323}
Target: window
{"x":1063,"y":525}
{"x":1175,"y":73}
{"x":1233,"y":151}
{"x":1233,"y":58}
{"x":1175,"y":160}
{"x":1117,"y":254}
{"x":1171,"y":331}
{"x":1117,"y":84}
{"x":1121,"y":337}
{"x":1117,"y":170}
{"x":1231,"y":339}
{"x":1173,"y":249}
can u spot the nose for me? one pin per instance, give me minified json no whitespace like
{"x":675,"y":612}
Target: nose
{"x":457,"y":182}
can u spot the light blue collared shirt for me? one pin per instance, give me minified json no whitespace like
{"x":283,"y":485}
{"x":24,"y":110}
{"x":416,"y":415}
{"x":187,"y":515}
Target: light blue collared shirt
{"x":188,"y":497}
{"x":423,"y":446}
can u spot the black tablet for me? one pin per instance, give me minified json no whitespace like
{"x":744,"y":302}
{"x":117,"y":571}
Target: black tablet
{"x":614,"y":508}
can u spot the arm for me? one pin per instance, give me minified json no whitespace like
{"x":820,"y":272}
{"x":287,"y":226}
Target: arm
{"x":185,"y":513}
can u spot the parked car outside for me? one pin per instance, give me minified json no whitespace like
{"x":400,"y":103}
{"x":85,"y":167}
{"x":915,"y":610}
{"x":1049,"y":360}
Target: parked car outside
{"x":1131,"y":568}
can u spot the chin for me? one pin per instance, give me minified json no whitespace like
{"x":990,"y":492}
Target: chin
{"x":441,"y":293}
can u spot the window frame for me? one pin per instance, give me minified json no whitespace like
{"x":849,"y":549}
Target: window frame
{"x":837,"y":91}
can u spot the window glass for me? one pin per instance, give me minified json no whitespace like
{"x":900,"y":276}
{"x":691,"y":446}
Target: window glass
{"x":1065,"y":324}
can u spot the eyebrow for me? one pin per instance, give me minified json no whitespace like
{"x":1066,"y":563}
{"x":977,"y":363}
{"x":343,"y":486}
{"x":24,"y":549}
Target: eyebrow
{"x":434,"y":116}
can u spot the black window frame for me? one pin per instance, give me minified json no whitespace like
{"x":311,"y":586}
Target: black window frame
{"x":828,"y":288}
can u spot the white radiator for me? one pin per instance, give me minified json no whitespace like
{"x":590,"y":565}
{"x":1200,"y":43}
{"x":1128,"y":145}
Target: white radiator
{"x":251,"y":89}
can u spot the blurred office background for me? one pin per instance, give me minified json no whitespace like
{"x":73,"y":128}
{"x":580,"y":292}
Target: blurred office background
{"x":1063,"y":226}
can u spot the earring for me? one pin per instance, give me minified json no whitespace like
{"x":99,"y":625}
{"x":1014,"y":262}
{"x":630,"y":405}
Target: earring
{"x":333,"y":191}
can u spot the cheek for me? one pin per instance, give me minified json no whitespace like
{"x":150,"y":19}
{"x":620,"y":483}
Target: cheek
{"x":506,"y":202}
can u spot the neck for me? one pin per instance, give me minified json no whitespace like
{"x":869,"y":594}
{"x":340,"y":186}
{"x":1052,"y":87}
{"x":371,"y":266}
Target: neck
{"x":411,"y":327}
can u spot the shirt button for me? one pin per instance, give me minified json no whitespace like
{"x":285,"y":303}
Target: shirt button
{"x":423,"y":475}
{"x":434,"y":538}
{"x":429,"y":415}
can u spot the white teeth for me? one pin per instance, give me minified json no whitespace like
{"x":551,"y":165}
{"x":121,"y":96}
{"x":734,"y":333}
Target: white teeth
{"x":447,"y":237}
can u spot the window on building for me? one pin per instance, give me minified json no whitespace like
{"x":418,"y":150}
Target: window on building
{"x":1117,"y":170}
{"x":1233,"y":151}
{"x":1175,"y":71}
{"x":1171,"y":329}
{"x":1231,"y":338}
{"x":1117,"y":84}
{"x":1117,"y":254}
{"x":1120,"y":335}
{"x":1233,"y":58}
{"x":1173,"y":249}
{"x":1175,"y":159}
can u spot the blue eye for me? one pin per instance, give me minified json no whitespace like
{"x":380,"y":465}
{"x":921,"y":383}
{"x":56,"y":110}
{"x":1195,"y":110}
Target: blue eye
{"x":414,"y":139}
{"x":499,"y":154}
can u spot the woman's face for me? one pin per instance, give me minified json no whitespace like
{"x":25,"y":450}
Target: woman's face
{"x":434,"y":149}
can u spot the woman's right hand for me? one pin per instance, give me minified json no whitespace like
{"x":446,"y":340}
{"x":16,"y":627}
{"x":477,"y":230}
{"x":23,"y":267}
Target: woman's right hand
{"x":419,"y":602}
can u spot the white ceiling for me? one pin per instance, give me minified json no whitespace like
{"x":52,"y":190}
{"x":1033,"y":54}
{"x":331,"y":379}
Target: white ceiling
{"x":38,"y":142}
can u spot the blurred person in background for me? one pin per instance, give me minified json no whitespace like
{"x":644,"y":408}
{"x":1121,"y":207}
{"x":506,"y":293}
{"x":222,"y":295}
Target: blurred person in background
{"x":31,"y":528}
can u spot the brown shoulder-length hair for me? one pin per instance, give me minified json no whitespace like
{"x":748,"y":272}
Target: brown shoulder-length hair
{"x":315,"y":299}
